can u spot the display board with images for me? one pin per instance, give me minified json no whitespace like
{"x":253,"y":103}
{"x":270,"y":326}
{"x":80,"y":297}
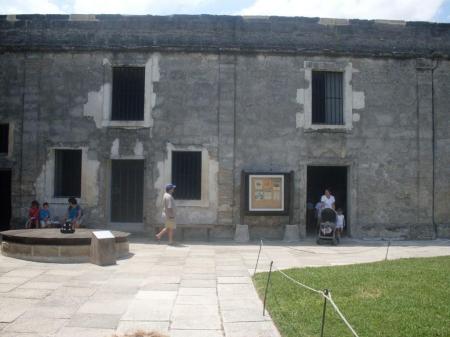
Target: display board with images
{"x":266,"y":193}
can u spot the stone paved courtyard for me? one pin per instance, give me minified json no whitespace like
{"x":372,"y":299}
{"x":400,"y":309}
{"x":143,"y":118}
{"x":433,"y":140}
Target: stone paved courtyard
{"x":189,"y":290}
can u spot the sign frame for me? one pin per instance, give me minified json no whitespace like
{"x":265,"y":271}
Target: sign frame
{"x":249,"y":196}
{"x":257,"y":192}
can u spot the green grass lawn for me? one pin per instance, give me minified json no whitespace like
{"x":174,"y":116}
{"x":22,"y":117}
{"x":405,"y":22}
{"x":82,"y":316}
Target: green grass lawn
{"x":401,"y":298}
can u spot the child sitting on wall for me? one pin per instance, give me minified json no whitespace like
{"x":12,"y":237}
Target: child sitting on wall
{"x":74,"y":213}
{"x":44,"y":215}
{"x":33,"y":215}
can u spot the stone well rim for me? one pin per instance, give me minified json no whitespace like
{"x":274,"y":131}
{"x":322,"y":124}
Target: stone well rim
{"x":53,"y":236}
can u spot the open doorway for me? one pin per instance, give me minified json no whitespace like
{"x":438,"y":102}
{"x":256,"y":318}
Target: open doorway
{"x":320,"y":178}
{"x":5,"y":199}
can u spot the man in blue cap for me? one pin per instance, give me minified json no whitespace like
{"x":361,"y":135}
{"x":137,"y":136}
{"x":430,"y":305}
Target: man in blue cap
{"x":168,"y":213}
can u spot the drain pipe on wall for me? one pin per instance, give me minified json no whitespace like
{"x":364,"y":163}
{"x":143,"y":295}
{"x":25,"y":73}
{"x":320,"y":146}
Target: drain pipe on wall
{"x":433,"y":144}
{"x":425,"y":65}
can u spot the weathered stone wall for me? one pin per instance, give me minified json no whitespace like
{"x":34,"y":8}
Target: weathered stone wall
{"x":210,"y":33}
{"x":11,"y":106}
{"x":243,"y":111}
{"x":65,"y":99}
{"x":442,"y":148}
{"x":186,"y":118}
{"x":388,"y":151}
{"x":54,"y":87}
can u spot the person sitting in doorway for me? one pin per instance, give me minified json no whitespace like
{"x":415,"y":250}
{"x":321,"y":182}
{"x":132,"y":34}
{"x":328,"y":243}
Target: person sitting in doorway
{"x":33,"y":215}
{"x":328,"y":200}
{"x":74,"y":213}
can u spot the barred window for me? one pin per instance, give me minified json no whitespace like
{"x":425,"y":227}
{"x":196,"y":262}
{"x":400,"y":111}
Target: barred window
{"x":67,"y":173}
{"x":4,"y":138}
{"x":327,"y":98}
{"x":187,"y":174}
{"x":128,"y":94}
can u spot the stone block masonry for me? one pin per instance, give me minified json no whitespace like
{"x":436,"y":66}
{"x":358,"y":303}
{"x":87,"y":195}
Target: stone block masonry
{"x":238,"y":90}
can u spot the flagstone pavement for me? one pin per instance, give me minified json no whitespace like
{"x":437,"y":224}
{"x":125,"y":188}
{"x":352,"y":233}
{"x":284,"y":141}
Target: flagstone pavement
{"x":188,"y":290}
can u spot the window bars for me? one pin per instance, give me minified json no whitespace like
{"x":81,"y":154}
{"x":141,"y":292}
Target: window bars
{"x":327,"y":98}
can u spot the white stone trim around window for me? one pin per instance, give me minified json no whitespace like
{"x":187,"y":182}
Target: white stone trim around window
{"x":209,"y":176}
{"x":203,"y":211}
{"x":151,"y":75}
{"x":45,"y":183}
{"x":204,"y":201}
{"x":304,"y":96}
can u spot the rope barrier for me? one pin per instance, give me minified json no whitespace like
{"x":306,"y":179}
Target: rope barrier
{"x":334,"y":253}
{"x":326,"y":295}
{"x":290,"y":278}
{"x":299,"y":283}
{"x":341,"y":315}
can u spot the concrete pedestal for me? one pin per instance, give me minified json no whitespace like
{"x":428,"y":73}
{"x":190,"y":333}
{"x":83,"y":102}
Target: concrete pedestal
{"x":103,"y":248}
{"x":291,"y":233}
{"x":241,"y":235}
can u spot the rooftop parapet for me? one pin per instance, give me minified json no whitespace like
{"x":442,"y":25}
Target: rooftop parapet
{"x":209,"y":33}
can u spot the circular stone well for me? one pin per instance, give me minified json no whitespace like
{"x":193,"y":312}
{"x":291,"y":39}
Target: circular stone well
{"x":50,"y":245}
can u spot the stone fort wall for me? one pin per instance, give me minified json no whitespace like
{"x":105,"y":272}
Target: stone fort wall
{"x":236,"y":89}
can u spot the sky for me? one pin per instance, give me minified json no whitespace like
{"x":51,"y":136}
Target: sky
{"x":410,"y":10}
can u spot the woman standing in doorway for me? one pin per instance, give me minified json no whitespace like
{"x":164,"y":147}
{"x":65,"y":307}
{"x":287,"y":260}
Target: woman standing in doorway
{"x":328,"y":200}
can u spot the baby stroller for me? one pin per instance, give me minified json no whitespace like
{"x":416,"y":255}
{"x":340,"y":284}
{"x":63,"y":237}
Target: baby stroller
{"x":327,"y":227}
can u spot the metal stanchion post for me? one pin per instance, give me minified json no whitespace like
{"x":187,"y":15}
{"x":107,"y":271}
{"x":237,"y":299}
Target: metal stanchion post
{"x":267,"y":287}
{"x":324,"y":309}
{"x":257,"y":260}
{"x":387,"y":251}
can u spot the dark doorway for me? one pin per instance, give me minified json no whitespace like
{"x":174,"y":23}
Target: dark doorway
{"x":127,"y":187}
{"x":319,"y":178}
{"x":5,"y":199}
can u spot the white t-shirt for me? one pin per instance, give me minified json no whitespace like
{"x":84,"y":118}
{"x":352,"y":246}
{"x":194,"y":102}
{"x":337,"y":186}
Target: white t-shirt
{"x":168,"y":202}
{"x":328,"y":202}
{"x":340,"y":221}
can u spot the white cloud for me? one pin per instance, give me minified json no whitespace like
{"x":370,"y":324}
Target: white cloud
{"x":29,"y":7}
{"x":136,"y":6}
{"x":363,"y":9}
{"x":101,"y":6}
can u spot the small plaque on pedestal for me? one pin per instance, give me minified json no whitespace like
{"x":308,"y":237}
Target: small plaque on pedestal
{"x":103,"y":248}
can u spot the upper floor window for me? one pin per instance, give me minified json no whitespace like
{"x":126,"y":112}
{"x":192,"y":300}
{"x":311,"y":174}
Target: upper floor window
{"x":4,"y":138}
{"x":327,"y":98}
{"x":187,"y":174}
{"x":128,"y":94}
{"x":68,"y":173}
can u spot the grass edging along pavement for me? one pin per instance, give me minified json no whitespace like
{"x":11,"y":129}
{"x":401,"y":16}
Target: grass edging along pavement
{"x":396,"y":298}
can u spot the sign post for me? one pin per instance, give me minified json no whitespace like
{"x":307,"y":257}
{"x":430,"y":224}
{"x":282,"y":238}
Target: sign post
{"x":103,"y":248}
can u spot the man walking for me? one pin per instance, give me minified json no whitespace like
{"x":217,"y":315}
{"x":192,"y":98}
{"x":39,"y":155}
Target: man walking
{"x":168,"y":213}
